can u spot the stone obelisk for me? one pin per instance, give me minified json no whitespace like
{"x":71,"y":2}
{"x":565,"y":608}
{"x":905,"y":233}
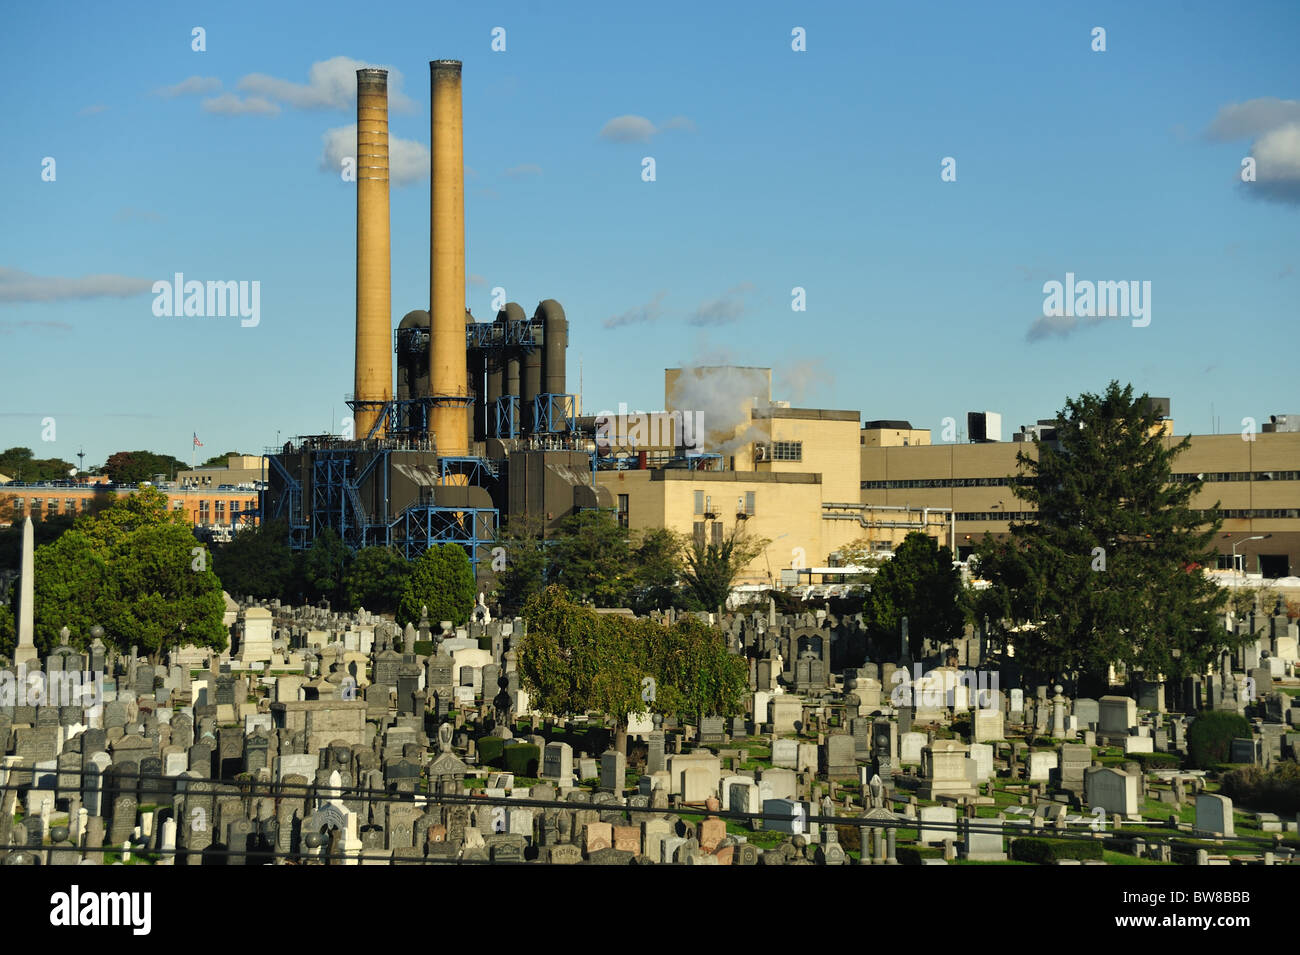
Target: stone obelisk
{"x":26,"y":649}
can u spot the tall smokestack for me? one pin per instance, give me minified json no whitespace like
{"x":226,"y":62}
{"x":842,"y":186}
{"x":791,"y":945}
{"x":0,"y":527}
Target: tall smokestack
{"x":447,"y":369}
{"x":374,"y":368}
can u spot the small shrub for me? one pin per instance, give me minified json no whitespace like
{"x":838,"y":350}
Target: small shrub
{"x":489,"y":750}
{"x":1154,"y":761}
{"x":522,"y":758}
{"x":1209,"y":738}
{"x":1047,"y":851}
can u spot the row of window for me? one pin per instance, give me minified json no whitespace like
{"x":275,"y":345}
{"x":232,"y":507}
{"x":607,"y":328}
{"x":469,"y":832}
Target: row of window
{"x":705,"y":504}
{"x":1207,"y":476}
{"x":938,"y":482}
{"x":52,"y":505}
{"x":1232,"y":513}
{"x":70,"y":507}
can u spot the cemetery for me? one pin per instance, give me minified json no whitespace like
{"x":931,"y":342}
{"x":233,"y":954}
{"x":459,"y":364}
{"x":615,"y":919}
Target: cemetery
{"x":320,"y":738}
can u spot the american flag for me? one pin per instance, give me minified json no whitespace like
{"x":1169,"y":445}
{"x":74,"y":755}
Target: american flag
{"x":197,"y":442}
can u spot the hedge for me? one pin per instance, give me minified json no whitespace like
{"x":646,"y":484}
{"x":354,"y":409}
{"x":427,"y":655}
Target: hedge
{"x":1209,"y":738}
{"x":1154,"y":761}
{"x":1275,"y":791}
{"x":1047,"y":851}
{"x":522,"y":759}
{"x":489,"y":750}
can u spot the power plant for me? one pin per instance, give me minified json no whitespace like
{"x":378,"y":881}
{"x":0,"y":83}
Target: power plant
{"x":481,"y":424}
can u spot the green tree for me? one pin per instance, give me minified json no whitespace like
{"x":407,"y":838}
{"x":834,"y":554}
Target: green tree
{"x":697,"y":675}
{"x":375,"y":579}
{"x":8,"y":631}
{"x":519,"y":561}
{"x":441,"y":579}
{"x":44,"y":531}
{"x":326,"y":563}
{"x":21,"y":465}
{"x":574,"y":660}
{"x":135,"y":569}
{"x":592,"y":559}
{"x":132,"y":467}
{"x":258,"y":562}
{"x":1109,"y":571}
{"x":921,"y":584}
{"x":710,"y":570}
{"x":656,"y":572}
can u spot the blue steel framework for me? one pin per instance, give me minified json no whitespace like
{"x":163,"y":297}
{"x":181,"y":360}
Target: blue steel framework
{"x":337,"y":505}
{"x":550,"y":410}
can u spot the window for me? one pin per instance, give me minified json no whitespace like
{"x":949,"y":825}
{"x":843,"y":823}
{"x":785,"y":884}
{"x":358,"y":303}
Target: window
{"x":18,"y":505}
{"x":85,"y":504}
{"x":787,"y":450}
{"x":234,"y":512}
{"x":622,"y":510}
{"x":749,"y":503}
{"x":203,"y":512}
{"x":717,"y":533}
{"x":69,"y":506}
{"x":699,"y":502}
{"x":221,"y":512}
{"x":699,"y":533}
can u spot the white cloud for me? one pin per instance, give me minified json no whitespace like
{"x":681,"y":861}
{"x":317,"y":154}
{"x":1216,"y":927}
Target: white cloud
{"x":19,"y":286}
{"x":331,"y":84}
{"x":408,"y":160}
{"x":628,"y":129}
{"x":92,"y":110}
{"x":523,"y":171}
{"x":1274,"y":124}
{"x":637,"y":129}
{"x":1251,"y":118}
{"x":1277,"y":158}
{"x":191,"y":86}
{"x":477,"y":281}
{"x":228,"y":104}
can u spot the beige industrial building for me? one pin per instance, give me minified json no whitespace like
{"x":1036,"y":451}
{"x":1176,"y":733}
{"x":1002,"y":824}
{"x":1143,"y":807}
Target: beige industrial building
{"x":813,"y":481}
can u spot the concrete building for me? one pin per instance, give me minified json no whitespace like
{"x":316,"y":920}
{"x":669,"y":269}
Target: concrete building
{"x":1256,"y":484}
{"x":240,"y":470}
{"x":218,"y":509}
{"x":812,"y":482}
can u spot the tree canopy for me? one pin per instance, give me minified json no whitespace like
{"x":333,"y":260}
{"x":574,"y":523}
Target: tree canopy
{"x":575,"y":660}
{"x":441,"y":579}
{"x":132,"y":467}
{"x":710,"y":569}
{"x":22,"y":465}
{"x":375,"y":579}
{"x":1109,"y":571}
{"x":921,"y":584}
{"x":258,"y":562}
{"x":136,"y":570}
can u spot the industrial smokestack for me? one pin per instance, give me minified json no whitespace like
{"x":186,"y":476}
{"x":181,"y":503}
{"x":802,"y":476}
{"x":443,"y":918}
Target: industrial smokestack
{"x":447,"y":367}
{"x":374,"y":362}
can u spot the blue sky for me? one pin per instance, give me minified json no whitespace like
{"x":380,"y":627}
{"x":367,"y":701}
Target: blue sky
{"x":774,"y":169}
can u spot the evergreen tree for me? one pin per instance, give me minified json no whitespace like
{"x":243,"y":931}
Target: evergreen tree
{"x":921,"y":584}
{"x":1110,"y":569}
{"x":441,"y":579}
